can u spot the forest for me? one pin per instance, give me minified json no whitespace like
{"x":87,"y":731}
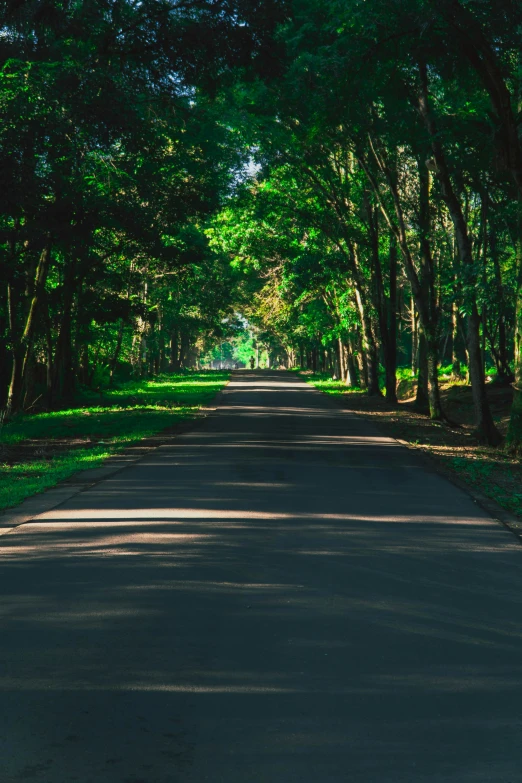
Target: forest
{"x":337,"y":182}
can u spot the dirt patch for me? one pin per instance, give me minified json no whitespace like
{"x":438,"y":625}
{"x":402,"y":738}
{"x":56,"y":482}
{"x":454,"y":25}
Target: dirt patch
{"x":490,"y":470}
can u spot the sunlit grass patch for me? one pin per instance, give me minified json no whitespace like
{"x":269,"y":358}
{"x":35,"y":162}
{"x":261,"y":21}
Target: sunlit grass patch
{"x":22,"y":480}
{"x":324,"y":382}
{"x":98,"y":426}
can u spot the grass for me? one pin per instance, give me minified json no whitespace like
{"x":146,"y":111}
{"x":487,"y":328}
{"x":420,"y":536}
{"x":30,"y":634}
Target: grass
{"x":406,"y":380}
{"x":494,"y":473}
{"x":324,"y":382}
{"x":38,"y":451}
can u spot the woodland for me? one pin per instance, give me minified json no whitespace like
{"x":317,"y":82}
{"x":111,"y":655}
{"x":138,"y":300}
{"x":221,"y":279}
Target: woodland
{"x":337,"y":182}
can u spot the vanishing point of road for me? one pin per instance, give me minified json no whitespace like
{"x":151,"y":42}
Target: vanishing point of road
{"x":283,"y":596}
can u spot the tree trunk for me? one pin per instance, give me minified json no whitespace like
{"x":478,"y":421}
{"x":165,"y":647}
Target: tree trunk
{"x":342,"y":364}
{"x":514,"y":437}
{"x":143,"y":352}
{"x":174,"y":351}
{"x":352,"y":376}
{"x":362,"y":364}
{"x":23,"y":349}
{"x":429,"y":366}
{"x":432,"y":356}
{"x":414,"y":339}
{"x":117,"y":350}
{"x":162,"y":364}
{"x":48,"y":358}
{"x":184,"y":348}
{"x":392,"y":320}
{"x":422,"y":400}
{"x":152,"y":353}
{"x":93,"y":366}
{"x":84,"y":368}
{"x":425,"y":304}
{"x":500,"y":353}
{"x":486,"y":430}
{"x":485,"y":427}
{"x":382,"y":308}
{"x":456,"y":371}
{"x":64,"y":382}
{"x":351,"y":370}
{"x":369,"y":347}
{"x":30,"y":384}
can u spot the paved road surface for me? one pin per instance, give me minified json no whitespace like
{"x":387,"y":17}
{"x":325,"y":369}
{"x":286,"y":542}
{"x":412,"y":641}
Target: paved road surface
{"x":283,"y":597}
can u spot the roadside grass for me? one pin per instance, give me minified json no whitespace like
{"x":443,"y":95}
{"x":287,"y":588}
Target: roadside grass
{"x":37,"y":451}
{"x":325,"y":383}
{"x":495,"y":473}
{"x":491,"y":470}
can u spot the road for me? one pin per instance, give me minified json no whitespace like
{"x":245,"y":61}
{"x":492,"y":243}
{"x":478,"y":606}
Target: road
{"x":285,"y":596}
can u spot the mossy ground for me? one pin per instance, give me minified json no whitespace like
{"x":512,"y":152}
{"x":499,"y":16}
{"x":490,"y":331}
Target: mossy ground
{"x":38,"y":451}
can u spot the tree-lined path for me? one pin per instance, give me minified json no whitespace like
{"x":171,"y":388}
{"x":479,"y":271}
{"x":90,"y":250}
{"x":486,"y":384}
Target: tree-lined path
{"x":284,"y":596}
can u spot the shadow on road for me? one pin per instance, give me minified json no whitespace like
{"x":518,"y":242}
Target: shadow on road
{"x":284,"y":596}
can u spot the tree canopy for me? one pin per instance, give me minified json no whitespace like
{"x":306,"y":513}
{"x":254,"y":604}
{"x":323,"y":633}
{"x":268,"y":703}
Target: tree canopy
{"x":345,"y":175}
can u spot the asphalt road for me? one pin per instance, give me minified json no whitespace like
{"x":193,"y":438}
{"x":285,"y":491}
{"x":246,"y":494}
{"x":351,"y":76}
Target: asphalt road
{"x":285,"y":596}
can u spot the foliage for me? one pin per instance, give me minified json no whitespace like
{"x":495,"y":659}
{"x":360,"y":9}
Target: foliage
{"x":343,"y":177}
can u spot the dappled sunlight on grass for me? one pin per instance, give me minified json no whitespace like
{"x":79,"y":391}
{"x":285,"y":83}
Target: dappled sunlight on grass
{"x":93,"y":422}
{"x":176,"y":384}
{"x":38,"y":451}
{"x":324,"y":382}
{"x":333,"y":387}
{"x":182,"y":388}
{"x":24,"y":479}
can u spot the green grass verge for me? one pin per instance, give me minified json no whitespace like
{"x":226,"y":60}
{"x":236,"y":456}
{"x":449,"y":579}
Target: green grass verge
{"x":402,"y":374}
{"x":323,"y":381}
{"x":111,"y":421}
{"x":496,"y":476}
